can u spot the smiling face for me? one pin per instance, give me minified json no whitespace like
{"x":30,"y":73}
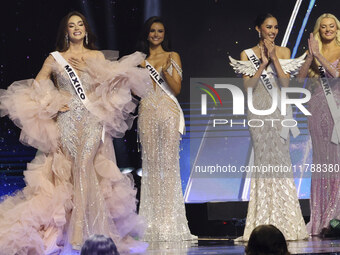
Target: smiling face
{"x":156,"y":34}
{"x":268,"y":29}
{"x":328,"y":29}
{"x":76,"y":29}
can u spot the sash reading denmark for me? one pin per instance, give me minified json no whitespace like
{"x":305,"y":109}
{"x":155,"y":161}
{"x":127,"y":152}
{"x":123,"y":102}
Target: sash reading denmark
{"x":335,"y":112}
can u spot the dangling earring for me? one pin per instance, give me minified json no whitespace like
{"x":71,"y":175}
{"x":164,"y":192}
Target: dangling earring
{"x":86,"y":39}
{"x":259,"y":34}
{"x":66,"y":39}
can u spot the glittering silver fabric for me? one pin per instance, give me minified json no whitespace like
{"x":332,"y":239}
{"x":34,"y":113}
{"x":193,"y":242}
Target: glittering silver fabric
{"x":273,"y":199}
{"x":162,"y":203}
{"x":80,"y":138}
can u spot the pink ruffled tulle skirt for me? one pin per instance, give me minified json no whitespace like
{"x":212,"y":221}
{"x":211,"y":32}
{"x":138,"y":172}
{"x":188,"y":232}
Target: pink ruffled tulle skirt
{"x":72,"y":194}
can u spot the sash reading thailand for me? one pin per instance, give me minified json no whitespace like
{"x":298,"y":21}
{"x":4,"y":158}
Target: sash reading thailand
{"x":164,"y":86}
{"x":269,"y":87}
{"x":75,"y":81}
{"x":335,"y":112}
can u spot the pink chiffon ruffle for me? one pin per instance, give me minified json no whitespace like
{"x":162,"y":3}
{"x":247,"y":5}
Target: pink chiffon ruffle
{"x":111,"y":98}
{"x":31,"y":105}
{"x":34,"y":220}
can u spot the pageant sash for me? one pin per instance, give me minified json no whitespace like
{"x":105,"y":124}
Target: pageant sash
{"x":75,"y":81}
{"x":165,"y":87}
{"x":266,"y":81}
{"x":335,"y":112}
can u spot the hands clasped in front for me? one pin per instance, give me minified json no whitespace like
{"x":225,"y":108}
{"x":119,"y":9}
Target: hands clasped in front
{"x":267,"y":52}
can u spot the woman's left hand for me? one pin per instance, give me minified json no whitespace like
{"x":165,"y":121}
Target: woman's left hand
{"x":313,"y":45}
{"x":78,"y":63}
{"x":167,"y":64}
{"x":270,"y":46}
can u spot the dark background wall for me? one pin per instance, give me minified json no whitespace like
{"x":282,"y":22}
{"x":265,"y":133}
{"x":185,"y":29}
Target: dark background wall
{"x":29,"y":28}
{"x":203,"y":32}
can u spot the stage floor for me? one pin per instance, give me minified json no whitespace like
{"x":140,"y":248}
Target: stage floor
{"x":223,"y":246}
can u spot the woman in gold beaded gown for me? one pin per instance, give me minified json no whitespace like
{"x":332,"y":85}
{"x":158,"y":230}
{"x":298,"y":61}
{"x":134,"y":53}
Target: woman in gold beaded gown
{"x":159,"y":124}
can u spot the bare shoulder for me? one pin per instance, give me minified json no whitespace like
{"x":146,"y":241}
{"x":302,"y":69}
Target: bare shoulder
{"x":243,"y":56}
{"x":283,"y":52}
{"x":49,"y":60}
{"x":175,"y":56}
{"x":255,"y":49}
{"x":46,"y":70}
{"x":96,"y":54}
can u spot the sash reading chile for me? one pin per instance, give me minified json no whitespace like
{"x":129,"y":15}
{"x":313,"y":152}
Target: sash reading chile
{"x":154,"y":73}
{"x":163,"y":85}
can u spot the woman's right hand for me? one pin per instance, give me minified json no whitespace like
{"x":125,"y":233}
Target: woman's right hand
{"x":264,"y":57}
{"x":313,"y":46}
{"x":78,"y":63}
{"x":310,"y":52}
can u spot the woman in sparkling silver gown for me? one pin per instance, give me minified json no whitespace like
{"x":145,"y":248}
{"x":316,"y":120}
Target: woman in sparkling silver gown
{"x":74,"y":188}
{"x":273,"y":198}
{"x":162,"y":203}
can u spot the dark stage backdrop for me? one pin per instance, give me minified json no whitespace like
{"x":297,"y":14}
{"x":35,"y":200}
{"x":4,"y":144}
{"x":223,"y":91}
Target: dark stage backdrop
{"x":29,"y":30}
{"x":203,"y":32}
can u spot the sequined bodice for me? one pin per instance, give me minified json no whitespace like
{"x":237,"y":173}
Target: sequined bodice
{"x":63,"y":82}
{"x":77,"y":117}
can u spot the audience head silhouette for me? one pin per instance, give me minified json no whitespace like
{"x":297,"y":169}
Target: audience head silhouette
{"x":99,"y":245}
{"x":266,"y":240}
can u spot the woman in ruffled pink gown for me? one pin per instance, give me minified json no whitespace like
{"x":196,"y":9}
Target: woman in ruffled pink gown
{"x":73,"y":186}
{"x":324,"y":50}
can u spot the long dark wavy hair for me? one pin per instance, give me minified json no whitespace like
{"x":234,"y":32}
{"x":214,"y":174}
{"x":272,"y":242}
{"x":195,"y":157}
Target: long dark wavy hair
{"x":143,"y":44}
{"x":61,"y":44}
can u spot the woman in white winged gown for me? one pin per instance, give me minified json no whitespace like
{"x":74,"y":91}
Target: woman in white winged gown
{"x":273,"y":197}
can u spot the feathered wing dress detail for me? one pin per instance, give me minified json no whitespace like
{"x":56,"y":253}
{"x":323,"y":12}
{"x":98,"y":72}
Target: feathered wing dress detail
{"x":273,"y":200}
